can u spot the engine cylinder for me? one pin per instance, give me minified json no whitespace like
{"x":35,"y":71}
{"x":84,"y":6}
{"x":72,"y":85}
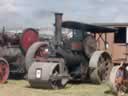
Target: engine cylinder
{"x":71,"y":58}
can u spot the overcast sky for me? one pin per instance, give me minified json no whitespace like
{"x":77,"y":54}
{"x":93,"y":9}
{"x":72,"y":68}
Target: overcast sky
{"x":40,"y":13}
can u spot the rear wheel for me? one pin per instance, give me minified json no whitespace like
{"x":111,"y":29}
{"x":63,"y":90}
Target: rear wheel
{"x":100,"y":66}
{"x":4,"y":70}
{"x":112,"y":78}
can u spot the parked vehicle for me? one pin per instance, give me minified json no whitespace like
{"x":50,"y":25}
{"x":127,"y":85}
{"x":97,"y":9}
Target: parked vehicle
{"x":71,"y":55}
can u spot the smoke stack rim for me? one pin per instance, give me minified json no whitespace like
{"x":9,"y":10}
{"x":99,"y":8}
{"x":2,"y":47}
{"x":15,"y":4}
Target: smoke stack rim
{"x":58,"y":13}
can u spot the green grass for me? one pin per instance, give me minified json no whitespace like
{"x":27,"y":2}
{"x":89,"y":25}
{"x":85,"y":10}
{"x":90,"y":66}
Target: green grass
{"x":22,"y":88}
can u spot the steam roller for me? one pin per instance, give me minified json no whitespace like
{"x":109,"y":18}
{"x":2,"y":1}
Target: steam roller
{"x":13,"y":47}
{"x":45,"y":71}
{"x":14,"y":50}
{"x":53,"y":63}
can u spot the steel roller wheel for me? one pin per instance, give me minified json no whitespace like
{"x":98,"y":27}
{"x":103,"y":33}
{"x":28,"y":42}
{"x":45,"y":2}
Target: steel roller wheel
{"x":29,"y":37}
{"x":57,"y":83}
{"x":35,"y":50}
{"x":4,"y":70}
{"x":100,"y":66}
{"x":50,"y":76}
{"x":90,"y":45}
{"x":62,"y":71}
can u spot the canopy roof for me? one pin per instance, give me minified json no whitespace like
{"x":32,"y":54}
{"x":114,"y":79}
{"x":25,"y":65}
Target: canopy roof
{"x":87,"y":27}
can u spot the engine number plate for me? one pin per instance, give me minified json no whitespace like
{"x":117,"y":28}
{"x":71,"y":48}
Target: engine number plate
{"x":38,"y":73}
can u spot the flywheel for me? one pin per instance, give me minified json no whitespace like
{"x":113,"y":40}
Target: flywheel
{"x":28,"y":37}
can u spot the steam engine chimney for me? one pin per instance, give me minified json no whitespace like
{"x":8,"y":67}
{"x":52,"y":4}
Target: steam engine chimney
{"x":58,"y":25}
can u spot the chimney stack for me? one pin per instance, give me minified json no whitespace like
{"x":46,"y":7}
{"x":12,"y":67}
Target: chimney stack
{"x":58,"y":29}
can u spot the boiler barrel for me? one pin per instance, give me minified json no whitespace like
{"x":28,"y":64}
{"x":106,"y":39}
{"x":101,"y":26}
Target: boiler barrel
{"x":71,"y":60}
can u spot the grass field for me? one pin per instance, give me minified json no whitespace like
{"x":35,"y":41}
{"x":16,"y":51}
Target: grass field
{"x":22,"y":88}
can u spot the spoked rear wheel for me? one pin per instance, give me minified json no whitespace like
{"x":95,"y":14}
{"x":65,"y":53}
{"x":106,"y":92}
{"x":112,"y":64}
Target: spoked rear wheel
{"x":101,"y":65}
{"x":4,"y":70}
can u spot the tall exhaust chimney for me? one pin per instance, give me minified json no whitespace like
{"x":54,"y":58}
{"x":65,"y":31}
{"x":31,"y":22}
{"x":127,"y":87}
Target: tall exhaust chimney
{"x":58,"y":30}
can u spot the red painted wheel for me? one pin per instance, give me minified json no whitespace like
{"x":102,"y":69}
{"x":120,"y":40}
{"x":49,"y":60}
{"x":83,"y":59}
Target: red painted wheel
{"x":29,"y":37}
{"x":4,"y":70}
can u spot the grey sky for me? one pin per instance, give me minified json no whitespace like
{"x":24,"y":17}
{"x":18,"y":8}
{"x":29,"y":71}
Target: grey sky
{"x":40,"y":13}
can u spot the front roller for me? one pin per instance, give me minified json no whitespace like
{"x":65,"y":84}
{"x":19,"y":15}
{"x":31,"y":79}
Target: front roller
{"x":100,"y":66}
{"x":46,"y":75}
{"x":4,"y":70}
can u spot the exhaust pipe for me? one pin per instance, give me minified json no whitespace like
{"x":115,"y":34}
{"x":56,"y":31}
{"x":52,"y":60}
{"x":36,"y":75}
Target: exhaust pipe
{"x":58,"y":29}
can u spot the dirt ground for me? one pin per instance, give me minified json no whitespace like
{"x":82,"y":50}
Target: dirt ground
{"x":22,"y":88}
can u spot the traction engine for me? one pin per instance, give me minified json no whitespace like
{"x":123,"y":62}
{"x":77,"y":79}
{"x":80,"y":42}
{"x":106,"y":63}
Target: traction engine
{"x":13,"y":47}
